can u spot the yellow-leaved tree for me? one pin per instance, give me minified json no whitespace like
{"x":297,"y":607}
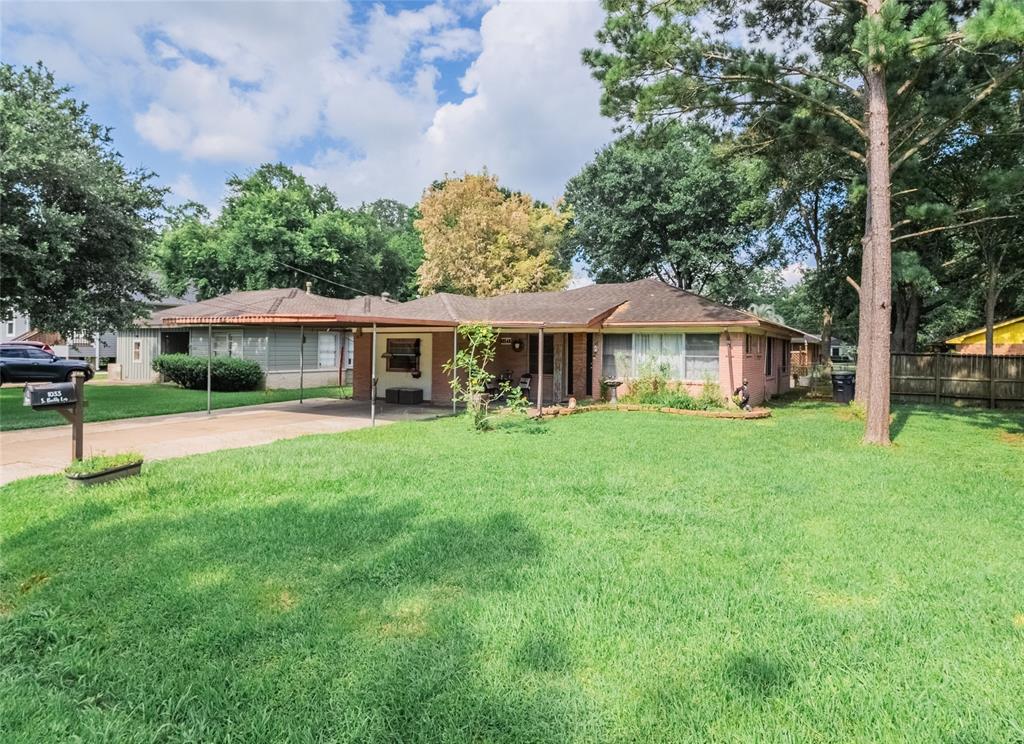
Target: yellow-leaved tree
{"x":481,"y":240}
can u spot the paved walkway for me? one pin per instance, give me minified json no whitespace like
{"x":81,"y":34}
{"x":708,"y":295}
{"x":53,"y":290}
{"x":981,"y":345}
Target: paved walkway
{"x":48,"y":450}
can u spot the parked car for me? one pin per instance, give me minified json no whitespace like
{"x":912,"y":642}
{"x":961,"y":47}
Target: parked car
{"x":21,"y":362}
{"x":36,"y":344}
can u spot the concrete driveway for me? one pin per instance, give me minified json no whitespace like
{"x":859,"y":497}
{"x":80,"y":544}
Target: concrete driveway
{"x":48,"y":450}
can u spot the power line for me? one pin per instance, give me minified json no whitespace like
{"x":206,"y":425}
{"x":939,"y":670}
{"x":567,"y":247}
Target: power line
{"x":321,"y":278}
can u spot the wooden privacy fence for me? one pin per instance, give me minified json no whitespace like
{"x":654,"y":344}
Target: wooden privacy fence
{"x":966,"y":379}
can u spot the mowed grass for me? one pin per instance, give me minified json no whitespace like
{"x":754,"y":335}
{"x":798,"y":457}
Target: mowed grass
{"x":606,"y":577}
{"x":115,"y":401}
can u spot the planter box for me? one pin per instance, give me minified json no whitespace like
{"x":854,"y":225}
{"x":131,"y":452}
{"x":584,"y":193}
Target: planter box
{"x":104,"y":476}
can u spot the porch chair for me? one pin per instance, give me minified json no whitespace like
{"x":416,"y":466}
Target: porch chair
{"x":525,"y":380}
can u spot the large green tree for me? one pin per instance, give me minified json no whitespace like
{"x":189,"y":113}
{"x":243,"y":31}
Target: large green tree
{"x":877,"y":80}
{"x":278,"y":230}
{"x":76,"y":225}
{"x":397,"y":222}
{"x":675,"y":204}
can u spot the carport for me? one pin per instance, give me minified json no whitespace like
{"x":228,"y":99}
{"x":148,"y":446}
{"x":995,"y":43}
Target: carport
{"x":372,"y":322}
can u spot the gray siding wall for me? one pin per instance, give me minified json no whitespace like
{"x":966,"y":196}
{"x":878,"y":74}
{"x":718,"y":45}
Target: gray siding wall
{"x":283,"y":350}
{"x":149,"y":347}
{"x":275,"y":349}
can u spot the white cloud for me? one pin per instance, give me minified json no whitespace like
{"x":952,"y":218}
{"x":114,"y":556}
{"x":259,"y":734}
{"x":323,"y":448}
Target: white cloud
{"x":793,"y":273}
{"x":240,"y":83}
{"x":531,"y":116}
{"x":184,"y":189}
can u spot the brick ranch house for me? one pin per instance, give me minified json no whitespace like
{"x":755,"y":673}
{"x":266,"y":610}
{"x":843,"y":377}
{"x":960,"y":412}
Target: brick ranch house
{"x":568,"y":341}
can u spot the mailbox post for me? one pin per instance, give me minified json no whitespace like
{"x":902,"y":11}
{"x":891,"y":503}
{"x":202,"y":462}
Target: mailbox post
{"x":67,"y":399}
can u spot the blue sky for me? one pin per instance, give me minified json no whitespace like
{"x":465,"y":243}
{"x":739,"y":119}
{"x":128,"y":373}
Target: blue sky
{"x":372,"y":99}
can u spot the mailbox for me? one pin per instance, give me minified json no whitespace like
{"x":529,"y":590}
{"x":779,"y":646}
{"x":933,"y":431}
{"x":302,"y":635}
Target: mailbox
{"x":50,"y":395}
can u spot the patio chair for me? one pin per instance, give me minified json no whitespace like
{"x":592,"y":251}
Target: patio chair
{"x":525,"y":381}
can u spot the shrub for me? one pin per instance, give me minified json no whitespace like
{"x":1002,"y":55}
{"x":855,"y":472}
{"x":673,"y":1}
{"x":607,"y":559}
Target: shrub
{"x":678,"y":399}
{"x":227,"y":374}
{"x":710,"y":395}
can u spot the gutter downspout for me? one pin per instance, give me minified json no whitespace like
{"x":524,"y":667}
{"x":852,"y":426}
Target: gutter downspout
{"x":455,"y":371}
{"x":540,"y":371}
{"x":209,"y":363}
{"x":302,"y":361}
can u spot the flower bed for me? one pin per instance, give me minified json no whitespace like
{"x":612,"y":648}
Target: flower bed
{"x":757,"y":413}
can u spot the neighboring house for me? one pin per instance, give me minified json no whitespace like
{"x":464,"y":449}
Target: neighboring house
{"x":806,"y":350}
{"x":14,"y":326}
{"x":80,"y":345}
{"x":1007,"y":339}
{"x":568,"y":342}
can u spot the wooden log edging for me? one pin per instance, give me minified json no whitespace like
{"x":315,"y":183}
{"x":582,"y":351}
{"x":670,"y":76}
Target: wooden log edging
{"x":757,"y":413}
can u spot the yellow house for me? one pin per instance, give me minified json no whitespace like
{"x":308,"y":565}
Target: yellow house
{"x":1007,"y":339}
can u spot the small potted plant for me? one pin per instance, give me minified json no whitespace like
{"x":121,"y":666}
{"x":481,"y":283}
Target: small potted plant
{"x":103,"y":468}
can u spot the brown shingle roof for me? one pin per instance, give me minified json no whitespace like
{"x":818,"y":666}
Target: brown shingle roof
{"x":268,"y":305}
{"x":643,"y":302}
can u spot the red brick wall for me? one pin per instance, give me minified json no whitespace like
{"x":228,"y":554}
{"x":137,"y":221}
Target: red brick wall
{"x":778,"y":380}
{"x":730,"y":361}
{"x":361,"y":362}
{"x":440,"y":381}
{"x":786,"y":376}
{"x":507,"y":358}
{"x":753,"y":367}
{"x":579,"y":365}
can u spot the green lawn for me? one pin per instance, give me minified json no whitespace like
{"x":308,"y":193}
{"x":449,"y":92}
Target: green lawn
{"x":107,"y":402}
{"x":605,"y":577}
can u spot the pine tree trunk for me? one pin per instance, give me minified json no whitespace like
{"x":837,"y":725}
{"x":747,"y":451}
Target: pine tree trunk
{"x":906,"y":319}
{"x":913,"y":322}
{"x":864,"y":316}
{"x":877,"y":301}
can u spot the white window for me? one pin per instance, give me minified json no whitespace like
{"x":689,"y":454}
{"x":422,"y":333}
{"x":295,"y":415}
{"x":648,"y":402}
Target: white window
{"x":662,"y":353}
{"x":677,"y":356}
{"x":617,"y":355}
{"x":136,"y":351}
{"x":701,"y":356}
{"x":227,"y":343}
{"x":327,"y":350}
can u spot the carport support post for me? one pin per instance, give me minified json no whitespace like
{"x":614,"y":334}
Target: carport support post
{"x":540,"y":371}
{"x":302,"y":343}
{"x":209,"y":364}
{"x":373,"y":378}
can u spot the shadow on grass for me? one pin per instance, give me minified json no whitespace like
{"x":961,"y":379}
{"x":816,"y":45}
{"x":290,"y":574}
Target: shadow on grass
{"x":758,"y":675}
{"x":273,"y":622}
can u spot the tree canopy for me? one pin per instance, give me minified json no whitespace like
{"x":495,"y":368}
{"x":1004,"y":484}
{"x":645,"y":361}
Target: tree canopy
{"x":669,"y":203}
{"x":278,"y":230}
{"x":479,"y":239}
{"x":879,"y":81}
{"x":76,"y":226}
